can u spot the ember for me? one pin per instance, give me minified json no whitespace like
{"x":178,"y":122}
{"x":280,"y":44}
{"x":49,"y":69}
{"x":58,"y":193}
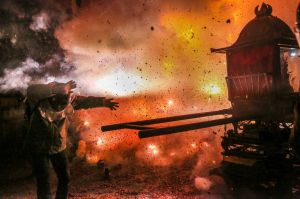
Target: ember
{"x":100,"y":141}
{"x":153,"y":57}
{"x":153,"y":149}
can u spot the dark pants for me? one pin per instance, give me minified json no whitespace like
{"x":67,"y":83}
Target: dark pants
{"x":40,"y":168}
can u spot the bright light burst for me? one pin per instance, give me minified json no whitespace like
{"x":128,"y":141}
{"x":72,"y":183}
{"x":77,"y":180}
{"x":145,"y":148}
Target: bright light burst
{"x":194,"y":145}
{"x":170,"y":102}
{"x":120,"y":83}
{"x":153,"y":149}
{"x":212,"y":89}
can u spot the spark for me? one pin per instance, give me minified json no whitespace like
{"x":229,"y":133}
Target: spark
{"x":151,"y":146}
{"x":86,"y":123}
{"x":194,"y":145}
{"x":100,"y":141}
{"x":172,"y":154}
{"x":205,"y":144}
{"x":92,"y":158}
{"x":153,"y":149}
{"x":170,"y":102}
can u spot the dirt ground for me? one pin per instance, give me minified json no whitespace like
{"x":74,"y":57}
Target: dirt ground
{"x":88,"y":181}
{"x":127,"y":181}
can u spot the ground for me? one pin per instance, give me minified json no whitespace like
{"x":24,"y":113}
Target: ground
{"x":127,"y":181}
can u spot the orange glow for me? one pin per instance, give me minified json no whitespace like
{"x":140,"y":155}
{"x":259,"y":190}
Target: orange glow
{"x":153,"y":149}
{"x":194,"y":145}
{"x":165,"y":71}
{"x":92,"y":158}
{"x":172,"y":154}
{"x":206,"y":144}
{"x":170,"y":102}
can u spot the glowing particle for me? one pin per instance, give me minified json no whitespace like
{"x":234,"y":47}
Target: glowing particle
{"x":86,"y":123}
{"x":172,"y":154}
{"x":205,"y":144}
{"x":151,"y":146}
{"x":194,"y":145}
{"x":92,"y":158}
{"x":170,"y":102}
{"x":100,"y":142}
{"x":153,"y":149}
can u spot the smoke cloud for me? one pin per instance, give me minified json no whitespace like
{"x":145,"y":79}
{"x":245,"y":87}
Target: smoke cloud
{"x":153,"y":55}
{"x":30,"y":52}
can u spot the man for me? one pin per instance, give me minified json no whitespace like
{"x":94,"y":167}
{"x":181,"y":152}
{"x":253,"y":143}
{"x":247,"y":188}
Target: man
{"x":49,"y":107}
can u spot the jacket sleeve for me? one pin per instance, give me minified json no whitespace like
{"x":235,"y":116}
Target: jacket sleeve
{"x":82,"y":102}
{"x":38,"y":92}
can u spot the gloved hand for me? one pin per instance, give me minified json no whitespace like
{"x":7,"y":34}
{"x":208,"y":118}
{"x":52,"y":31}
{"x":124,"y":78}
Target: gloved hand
{"x":110,"y":104}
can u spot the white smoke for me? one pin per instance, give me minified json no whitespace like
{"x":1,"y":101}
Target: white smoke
{"x":13,"y":40}
{"x":40,"y":21}
{"x":19,"y":78}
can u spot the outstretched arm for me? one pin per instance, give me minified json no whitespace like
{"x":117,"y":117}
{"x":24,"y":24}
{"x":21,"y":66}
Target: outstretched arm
{"x":81,"y":102}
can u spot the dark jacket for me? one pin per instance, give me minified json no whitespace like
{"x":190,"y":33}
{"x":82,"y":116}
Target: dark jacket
{"x":47,"y":132}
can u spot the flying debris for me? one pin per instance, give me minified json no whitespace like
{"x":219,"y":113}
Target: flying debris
{"x":261,"y":96}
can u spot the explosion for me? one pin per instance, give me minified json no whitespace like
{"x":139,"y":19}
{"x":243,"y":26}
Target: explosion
{"x":153,"y":57}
